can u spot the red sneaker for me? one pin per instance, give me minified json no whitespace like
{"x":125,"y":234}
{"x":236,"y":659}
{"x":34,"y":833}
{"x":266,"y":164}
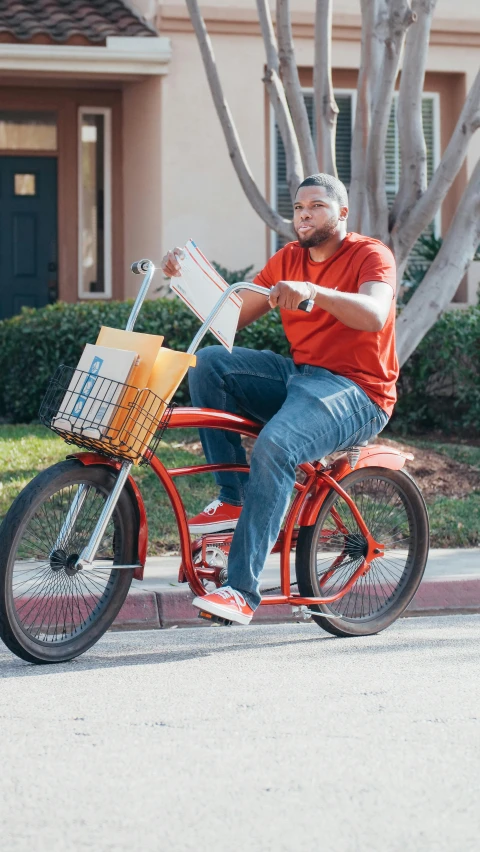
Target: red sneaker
{"x":216,"y":517}
{"x":226,"y":603}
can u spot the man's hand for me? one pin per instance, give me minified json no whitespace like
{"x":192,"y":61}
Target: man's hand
{"x":170,"y":264}
{"x":289,"y":294}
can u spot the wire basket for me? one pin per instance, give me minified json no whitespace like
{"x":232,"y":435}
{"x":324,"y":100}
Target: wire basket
{"x":109,"y":417}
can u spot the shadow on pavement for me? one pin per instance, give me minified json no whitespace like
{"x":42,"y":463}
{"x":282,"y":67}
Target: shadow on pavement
{"x":207,"y":645}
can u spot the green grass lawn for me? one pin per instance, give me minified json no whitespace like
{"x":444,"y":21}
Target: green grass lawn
{"x":454,"y":522}
{"x":27,"y":449}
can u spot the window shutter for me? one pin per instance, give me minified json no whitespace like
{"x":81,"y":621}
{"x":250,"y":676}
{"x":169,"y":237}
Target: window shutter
{"x":343,"y":141}
{"x":284,"y":205}
{"x":392,"y":156}
{"x":428,"y":110}
{"x":342,"y":149}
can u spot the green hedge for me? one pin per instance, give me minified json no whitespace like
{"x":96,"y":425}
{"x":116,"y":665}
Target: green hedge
{"x":35,"y":342}
{"x":439,"y":386}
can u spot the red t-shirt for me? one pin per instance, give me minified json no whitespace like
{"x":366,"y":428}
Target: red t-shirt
{"x":366,"y":357}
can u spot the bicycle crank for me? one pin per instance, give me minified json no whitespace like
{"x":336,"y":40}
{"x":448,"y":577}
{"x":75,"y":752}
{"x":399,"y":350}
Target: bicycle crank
{"x":214,"y":619}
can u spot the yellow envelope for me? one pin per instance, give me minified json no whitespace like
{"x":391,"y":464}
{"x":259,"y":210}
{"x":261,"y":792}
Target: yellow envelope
{"x":145,"y":345}
{"x":148,"y":408}
{"x":168,"y":371}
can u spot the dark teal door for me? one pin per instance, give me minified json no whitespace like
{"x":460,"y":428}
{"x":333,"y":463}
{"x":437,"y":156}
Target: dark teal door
{"x":28,"y":233}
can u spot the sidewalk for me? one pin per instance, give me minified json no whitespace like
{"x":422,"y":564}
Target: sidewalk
{"x":451,"y":585}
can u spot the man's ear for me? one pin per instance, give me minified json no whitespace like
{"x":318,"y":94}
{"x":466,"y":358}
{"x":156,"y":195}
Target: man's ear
{"x":343,"y":214}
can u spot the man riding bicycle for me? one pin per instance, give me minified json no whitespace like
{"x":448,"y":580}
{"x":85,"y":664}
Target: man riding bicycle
{"x":337,"y":389}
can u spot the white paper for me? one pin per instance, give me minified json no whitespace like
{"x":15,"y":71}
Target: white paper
{"x":200,"y":287}
{"x":89,"y":404}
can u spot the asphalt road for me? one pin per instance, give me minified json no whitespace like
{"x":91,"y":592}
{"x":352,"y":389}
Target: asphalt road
{"x":261,"y":738}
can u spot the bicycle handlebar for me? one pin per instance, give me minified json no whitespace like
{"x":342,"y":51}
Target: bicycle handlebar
{"x":147,"y":268}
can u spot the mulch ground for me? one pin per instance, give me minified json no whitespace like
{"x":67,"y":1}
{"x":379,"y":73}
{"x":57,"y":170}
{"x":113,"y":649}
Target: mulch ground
{"x":436,"y":474}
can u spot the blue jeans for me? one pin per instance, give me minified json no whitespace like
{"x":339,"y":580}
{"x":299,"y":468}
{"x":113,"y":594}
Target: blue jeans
{"x":308,"y":413}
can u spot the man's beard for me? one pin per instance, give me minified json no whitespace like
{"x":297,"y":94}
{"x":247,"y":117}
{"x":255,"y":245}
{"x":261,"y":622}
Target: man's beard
{"x":321,"y":235}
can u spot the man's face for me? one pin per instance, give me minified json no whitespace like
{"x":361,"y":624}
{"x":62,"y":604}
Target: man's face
{"x":316,"y":216}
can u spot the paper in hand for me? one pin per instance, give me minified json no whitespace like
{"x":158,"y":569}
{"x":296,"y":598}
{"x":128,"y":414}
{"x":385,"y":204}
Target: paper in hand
{"x":200,"y":286}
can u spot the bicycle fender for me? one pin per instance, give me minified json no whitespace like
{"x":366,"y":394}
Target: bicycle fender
{"x":376,"y":455}
{"x":96,"y":458}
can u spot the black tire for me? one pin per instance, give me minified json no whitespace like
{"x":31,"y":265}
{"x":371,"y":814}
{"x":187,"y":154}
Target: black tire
{"x":395,"y":513}
{"x":48,"y":612}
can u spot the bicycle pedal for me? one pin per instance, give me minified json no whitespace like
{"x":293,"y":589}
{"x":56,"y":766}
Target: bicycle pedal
{"x":214,"y":619}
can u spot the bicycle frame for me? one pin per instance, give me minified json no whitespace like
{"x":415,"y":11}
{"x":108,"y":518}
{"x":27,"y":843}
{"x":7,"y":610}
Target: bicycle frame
{"x":318,"y":483}
{"x":304,"y":510}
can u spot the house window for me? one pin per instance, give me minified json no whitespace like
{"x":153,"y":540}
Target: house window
{"x":346,"y":105}
{"x":25,"y":130}
{"x":25,"y":184}
{"x":94,"y":203}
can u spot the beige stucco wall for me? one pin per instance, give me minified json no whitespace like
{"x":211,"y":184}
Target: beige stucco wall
{"x":142,"y":174}
{"x":202,"y":197}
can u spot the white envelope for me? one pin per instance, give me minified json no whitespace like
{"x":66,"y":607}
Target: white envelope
{"x":95,"y":387}
{"x":200,"y":286}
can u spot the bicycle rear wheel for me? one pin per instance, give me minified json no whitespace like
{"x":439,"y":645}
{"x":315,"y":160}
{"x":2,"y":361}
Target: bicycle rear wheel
{"x":330,"y":552}
{"x":49,"y":611}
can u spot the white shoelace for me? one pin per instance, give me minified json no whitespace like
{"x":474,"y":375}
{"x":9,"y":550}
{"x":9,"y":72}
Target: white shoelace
{"x":212,"y":507}
{"x":228,"y":592}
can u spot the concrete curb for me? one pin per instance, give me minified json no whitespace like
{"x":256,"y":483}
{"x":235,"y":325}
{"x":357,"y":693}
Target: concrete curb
{"x":448,"y":595}
{"x":139,"y":612}
{"x":150,"y":610}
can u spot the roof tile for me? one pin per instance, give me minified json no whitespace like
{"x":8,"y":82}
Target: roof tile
{"x":63,"y":19}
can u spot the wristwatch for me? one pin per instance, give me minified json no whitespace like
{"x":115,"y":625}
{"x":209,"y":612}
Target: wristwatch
{"x":311,"y":300}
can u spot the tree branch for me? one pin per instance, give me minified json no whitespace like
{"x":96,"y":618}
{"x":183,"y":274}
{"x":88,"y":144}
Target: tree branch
{"x":424,"y":210}
{"x":413,"y":150}
{"x":276,"y":94}
{"x":293,"y":89}
{"x":326,"y":108}
{"x":369,"y":52}
{"x":255,"y":197}
{"x":393,"y":26}
{"x":447,"y":270}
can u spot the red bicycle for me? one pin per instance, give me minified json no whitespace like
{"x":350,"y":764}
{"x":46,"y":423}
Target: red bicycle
{"x":77,"y":534}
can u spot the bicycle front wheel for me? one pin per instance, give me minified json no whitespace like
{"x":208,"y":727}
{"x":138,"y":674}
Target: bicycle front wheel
{"x":329,"y":553}
{"x":51,"y":612}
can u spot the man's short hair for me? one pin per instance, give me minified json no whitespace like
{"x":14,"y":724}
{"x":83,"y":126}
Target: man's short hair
{"x":333,"y":187}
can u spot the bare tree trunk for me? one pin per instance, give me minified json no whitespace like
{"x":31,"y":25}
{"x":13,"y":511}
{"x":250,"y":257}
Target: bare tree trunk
{"x":255,"y":197}
{"x":293,"y":89}
{"x":413,"y":150}
{"x":357,"y":216}
{"x":276,"y":94}
{"x":444,"y":275}
{"x":422,"y":213}
{"x":325,"y":105}
{"x":398,"y":19}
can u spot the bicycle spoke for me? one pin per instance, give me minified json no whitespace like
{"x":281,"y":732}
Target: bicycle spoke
{"x":53,"y":602}
{"x":385,"y":514}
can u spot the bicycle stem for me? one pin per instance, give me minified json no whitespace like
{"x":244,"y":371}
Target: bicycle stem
{"x":240,"y":285}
